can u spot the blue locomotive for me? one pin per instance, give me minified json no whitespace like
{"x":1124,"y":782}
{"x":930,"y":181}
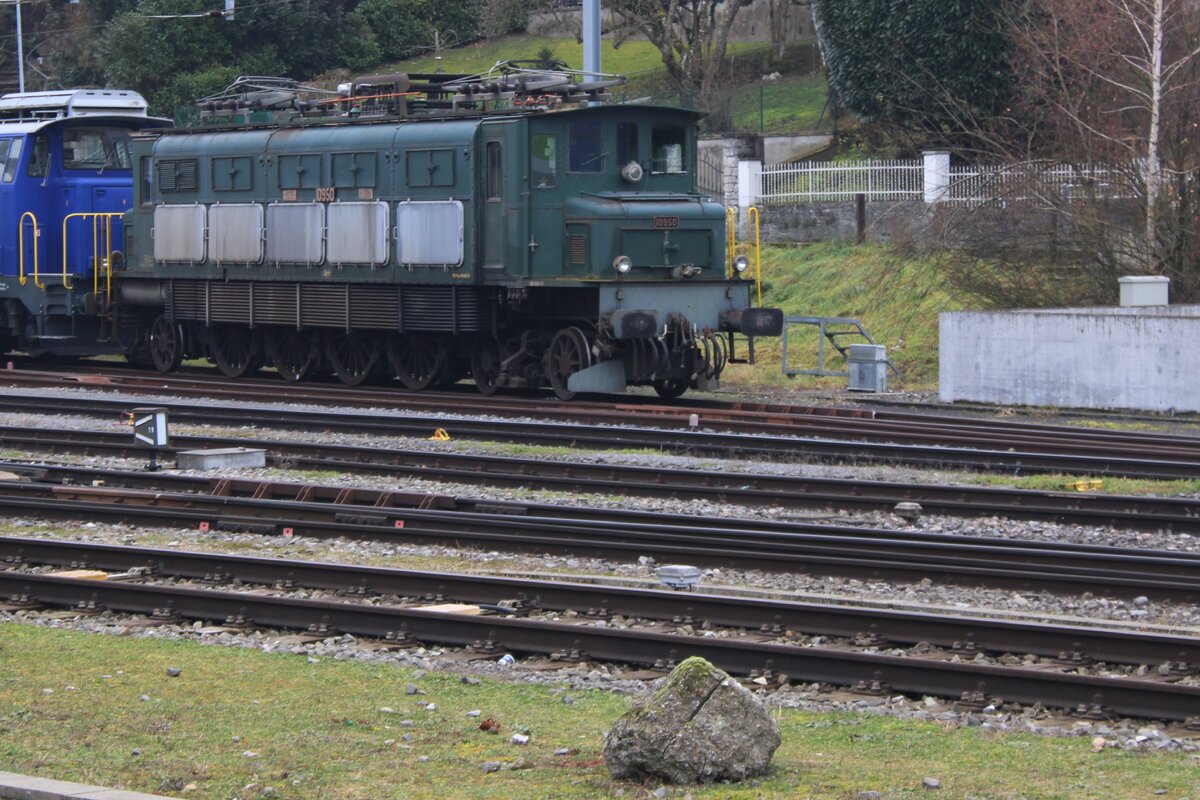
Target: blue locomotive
{"x":513,"y":228}
{"x":65,"y":184}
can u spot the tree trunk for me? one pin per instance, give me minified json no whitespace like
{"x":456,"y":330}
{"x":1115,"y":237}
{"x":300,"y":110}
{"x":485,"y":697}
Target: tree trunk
{"x":1153,"y":165}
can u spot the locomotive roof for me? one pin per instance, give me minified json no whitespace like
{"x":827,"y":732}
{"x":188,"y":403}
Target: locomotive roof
{"x":322,"y":122}
{"x":29,"y":112}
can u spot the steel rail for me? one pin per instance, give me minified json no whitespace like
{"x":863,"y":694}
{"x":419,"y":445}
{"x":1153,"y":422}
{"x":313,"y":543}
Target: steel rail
{"x":1140,"y":698}
{"x":696,"y":442}
{"x":740,"y":417}
{"x":1154,"y":513}
{"x":881,"y":627}
{"x":999,"y":562}
{"x":400,"y":502}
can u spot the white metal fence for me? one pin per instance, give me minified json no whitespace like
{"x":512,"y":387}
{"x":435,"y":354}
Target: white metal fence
{"x":935,"y":181}
{"x":832,"y":181}
{"x":1039,"y":184}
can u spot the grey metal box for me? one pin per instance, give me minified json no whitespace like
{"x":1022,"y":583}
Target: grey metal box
{"x":866,"y":352}
{"x":868,"y":368}
{"x":1144,"y":290}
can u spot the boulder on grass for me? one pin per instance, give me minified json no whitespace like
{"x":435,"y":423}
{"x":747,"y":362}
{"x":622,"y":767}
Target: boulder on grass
{"x":700,"y":726}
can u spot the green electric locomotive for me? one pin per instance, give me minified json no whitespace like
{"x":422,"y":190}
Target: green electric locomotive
{"x":513,"y":227}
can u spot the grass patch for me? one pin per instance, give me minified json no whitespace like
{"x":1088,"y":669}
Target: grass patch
{"x":1109,"y":485}
{"x":789,"y":104}
{"x":896,"y":299}
{"x":315,"y":731}
{"x":633,"y":57}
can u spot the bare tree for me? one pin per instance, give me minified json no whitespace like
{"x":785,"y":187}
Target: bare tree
{"x":691,"y":35}
{"x":1110,"y":77}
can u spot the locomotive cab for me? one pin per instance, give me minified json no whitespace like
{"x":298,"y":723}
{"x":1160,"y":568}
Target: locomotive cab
{"x":64,"y":185}
{"x":617,"y":235}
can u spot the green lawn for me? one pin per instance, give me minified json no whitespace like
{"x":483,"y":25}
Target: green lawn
{"x":101,"y":709}
{"x":786,"y":105}
{"x":633,"y":58}
{"x":896,"y":298}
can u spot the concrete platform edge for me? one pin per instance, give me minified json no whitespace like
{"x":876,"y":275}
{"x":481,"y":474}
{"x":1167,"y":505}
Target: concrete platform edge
{"x":27,"y":787}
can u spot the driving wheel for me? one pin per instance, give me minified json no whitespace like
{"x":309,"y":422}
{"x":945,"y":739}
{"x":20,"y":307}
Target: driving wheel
{"x":485,"y":365}
{"x":352,"y":356}
{"x":166,"y":344}
{"x":568,"y":353}
{"x":418,"y":361}
{"x":235,"y":350}
{"x":294,"y":354}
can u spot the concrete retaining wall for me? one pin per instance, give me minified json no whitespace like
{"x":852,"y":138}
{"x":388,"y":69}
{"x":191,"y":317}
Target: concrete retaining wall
{"x":1142,"y":358}
{"x":836,"y":222}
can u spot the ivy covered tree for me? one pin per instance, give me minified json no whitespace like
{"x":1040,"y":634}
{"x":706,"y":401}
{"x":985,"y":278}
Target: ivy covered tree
{"x":928,"y":65}
{"x":173,"y":61}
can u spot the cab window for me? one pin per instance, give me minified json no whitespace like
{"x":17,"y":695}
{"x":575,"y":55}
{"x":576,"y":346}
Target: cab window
{"x":12,"y":159}
{"x":39,"y":159}
{"x":667,"y":143}
{"x":147,"y":181}
{"x":587,"y":146}
{"x":543,"y":160}
{"x":627,"y":143}
{"x":95,"y":148}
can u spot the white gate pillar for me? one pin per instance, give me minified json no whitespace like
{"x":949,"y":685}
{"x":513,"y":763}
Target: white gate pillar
{"x":937,"y":176}
{"x":749,"y":185}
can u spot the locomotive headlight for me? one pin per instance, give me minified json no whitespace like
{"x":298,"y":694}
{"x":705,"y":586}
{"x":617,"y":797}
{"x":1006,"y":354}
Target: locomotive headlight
{"x":741,"y":263}
{"x":622,"y":264}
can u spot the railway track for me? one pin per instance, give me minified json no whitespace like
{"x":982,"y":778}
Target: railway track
{"x":518,"y":629}
{"x":1154,"y":513}
{"x":759,"y":419}
{"x":774,"y":546}
{"x":1173,"y":462}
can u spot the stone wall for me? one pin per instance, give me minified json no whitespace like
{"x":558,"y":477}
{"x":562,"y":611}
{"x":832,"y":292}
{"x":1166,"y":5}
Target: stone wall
{"x":1140,"y":358}
{"x":837,"y":222}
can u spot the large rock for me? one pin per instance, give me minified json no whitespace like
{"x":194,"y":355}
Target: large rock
{"x":701,"y":725}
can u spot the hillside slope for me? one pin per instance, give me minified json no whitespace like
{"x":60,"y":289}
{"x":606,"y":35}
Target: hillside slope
{"x":896,"y":298}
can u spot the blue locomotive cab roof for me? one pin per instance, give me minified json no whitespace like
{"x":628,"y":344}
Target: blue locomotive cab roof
{"x":24,"y":113}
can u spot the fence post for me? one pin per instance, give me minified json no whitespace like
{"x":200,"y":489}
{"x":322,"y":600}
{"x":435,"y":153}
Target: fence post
{"x":860,"y":218}
{"x":937,"y":176}
{"x":749,"y":183}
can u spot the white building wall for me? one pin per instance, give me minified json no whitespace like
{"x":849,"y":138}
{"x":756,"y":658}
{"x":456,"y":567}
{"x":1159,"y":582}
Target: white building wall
{"x":1116,"y":358}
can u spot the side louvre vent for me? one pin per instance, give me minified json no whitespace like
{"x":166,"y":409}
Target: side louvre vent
{"x":178,"y":175}
{"x":578,"y":250}
{"x":433,"y":309}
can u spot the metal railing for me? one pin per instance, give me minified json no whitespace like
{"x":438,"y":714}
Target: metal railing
{"x":102,"y":258}
{"x":907,"y":179}
{"x":96,"y":217}
{"x":833,"y":181}
{"x":37,"y":233}
{"x":710,"y":178}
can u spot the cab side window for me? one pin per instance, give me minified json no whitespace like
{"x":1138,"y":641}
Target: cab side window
{"x":587,"y":146}
{"x":13,"y":157}
{"x":146,"y":187}
{"x":667,"y":143}
{"x":543,"y":160}
{"x":39,"y":159}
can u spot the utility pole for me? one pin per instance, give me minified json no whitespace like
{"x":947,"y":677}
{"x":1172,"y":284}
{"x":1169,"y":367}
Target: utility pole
{"x":20,"y":51}
{"x":591,"y":40}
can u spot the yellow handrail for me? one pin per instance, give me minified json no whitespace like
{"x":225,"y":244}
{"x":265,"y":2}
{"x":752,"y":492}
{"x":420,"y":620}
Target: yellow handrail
{"x":730,"y":240}
{"x":752,"y":214}
{"x":95,"y":216}
{"x":21,"y":235}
